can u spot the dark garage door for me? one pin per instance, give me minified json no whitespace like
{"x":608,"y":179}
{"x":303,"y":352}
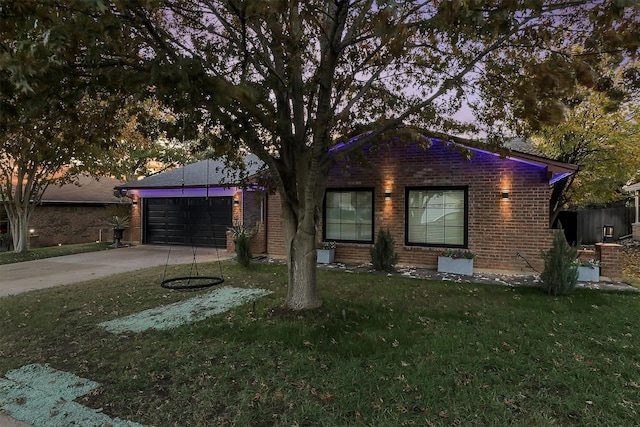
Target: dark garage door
{"x":194,"y":221}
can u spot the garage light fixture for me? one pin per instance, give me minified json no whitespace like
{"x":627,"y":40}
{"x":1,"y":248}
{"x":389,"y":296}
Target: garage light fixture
{"x":505,"y":194}
{"x":387,"y":194}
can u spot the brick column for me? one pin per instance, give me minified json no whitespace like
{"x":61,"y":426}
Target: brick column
{"x":612,"y":257}
{"x":636,"y":230}
{"x":133,"y":233}
{"x":231,"y":246}
{"x":259,"y":240}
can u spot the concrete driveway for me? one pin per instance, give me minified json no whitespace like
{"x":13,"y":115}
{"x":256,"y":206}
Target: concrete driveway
{"x":46,"y":273}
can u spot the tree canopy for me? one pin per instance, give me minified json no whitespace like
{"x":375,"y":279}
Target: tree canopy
{"x":60,"y":96}
{"x":606,"y":143}
{"x":147,"y":140}
{"x":290,"y":80}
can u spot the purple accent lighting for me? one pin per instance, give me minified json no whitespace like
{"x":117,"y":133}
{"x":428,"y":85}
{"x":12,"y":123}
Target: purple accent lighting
{"x":559,"y":177}
{"x":184,"y":192}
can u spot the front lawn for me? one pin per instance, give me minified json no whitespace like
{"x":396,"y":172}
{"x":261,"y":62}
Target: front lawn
{"x":10,"y":257}
{"x":382,"y":351}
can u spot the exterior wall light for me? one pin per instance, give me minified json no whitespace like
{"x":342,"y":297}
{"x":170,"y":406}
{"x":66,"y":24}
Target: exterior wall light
{"x":505,"y":194}
{"x":236,"y":201}
{"x":387,"y":194}
{"x":607,"y":234}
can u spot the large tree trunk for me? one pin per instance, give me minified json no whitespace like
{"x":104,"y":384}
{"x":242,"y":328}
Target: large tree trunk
{"x":300,"y":247}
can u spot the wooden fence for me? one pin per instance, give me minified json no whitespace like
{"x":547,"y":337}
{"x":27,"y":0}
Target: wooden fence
{"x":585,"y":226}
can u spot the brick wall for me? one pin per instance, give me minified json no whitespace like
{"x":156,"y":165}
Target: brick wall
{"x":498,"y":229}
{"x":275,"y":240}
{"x":252,"y":207}
{"x":611,"y":257}
{"x":64,"y":224}
{"x":133,"y":233}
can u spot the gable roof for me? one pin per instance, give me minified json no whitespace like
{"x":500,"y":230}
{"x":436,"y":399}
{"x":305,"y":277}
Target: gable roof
{"x":518,"y":150}
{"x":205,"y":173}
{"x":515,"y":149}
{"x":556,"y":170}
{"x":632,"y":187}
{"x":522,"y":146}
{"x":215,"y":173}
{"x":88,"y":190}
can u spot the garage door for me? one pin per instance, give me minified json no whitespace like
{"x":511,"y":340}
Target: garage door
{"x":193,"y":221}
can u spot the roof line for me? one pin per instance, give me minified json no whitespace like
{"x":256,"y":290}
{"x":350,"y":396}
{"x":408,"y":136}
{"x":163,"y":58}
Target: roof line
{"x":500,"y":151}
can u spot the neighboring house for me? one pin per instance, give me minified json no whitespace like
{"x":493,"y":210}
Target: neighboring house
{"x":494,"y":205}
{"x":74,"y":213}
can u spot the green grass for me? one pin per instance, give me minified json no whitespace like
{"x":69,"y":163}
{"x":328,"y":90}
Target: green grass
{"x":383,"y":350}
{"x":10,"y":257}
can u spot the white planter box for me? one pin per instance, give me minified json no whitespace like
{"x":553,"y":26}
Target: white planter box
{"x":325,"y":256}
{"x":588,"y":274}
{"x":455,"y":265}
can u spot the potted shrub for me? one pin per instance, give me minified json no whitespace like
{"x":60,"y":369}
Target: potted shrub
{"x":119,"y":223}
{"x":588,"y":270}
{"x":456,"y":261}
{"x":326,"y":252}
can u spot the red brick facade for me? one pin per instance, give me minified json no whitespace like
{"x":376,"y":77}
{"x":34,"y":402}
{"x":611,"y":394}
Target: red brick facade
{"x":69,"y":224}
{"x":503,"y":233}
{"x":133,"y":234}
{"x":611,"y":257}
{"x":275,"y":239}
{"x":498,"y":230}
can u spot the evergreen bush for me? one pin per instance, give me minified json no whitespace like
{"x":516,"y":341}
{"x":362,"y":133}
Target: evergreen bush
{"x":243,"y":250}
{"x":383,"y":256}
{"x":560,"y":275}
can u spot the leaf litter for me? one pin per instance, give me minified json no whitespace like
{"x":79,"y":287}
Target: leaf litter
{"x":43,"y":396}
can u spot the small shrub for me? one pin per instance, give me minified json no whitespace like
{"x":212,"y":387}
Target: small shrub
{"x":383,"y":256}
{"x":327,"y":245}
{"x":243,"y":250}
{"x":6,"y":240}
{"x":560,"y":275}
{"x":459,"y":253}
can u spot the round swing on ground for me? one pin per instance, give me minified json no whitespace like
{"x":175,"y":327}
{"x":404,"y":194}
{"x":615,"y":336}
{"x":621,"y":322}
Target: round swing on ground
{"x":191,"y":282}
